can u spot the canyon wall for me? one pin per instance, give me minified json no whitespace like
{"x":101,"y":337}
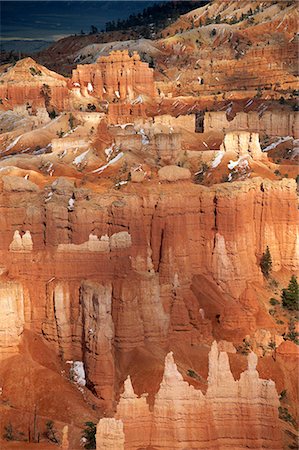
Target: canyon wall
{"x":153,"y":288}
{"x":183,"y":417}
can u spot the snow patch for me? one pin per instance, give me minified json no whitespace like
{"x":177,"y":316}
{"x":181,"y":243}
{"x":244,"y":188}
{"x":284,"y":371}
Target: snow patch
{"x":121,"y":183}
{"x":215,"y":163}
{"x":79,"y":159}
{"x":242,"y":162}
{"x":275,"y":144}
{"x":78,"y":373}
{"x":144,"y":138}
{"x":232,"y":164}
{"x":14,"y":142}
{"x":71,"y":203}
{"x":112,"y":161}
{"x":90,"y":87}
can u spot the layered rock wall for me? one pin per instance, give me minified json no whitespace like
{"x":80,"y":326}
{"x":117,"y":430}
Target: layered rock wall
{"x":152,"y":290}
{"x":271,"y":123}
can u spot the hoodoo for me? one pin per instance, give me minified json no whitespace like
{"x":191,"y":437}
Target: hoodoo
{"x":149,"y":230}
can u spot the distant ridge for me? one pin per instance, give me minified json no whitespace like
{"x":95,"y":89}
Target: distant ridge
{"x":24,"y":46}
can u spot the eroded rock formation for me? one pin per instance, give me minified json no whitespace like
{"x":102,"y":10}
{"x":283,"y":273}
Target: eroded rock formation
{"x":243,"y":143}
{"x":28,"y":83}
{"x":183,"y":416}
{"x":118,"y":76}
{"x":271,"y":123}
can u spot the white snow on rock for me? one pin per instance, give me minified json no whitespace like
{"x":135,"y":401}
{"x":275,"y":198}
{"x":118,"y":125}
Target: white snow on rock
{"x":78,"y":373}
{"x":71,"y":203}
{"x":137,"y":100}
{"x":112,"y":161}
{"x":144,"y":138}
{"x":121,"y":183}
{"x":14,"y":142}
{"x":275,"y":144}
{"x":232,"y":164}
{"x":242,"y":162}
{"x":108,"y":151}
{"x":117,"y":94}
{"x":90,"y":87}
{"x":215,"y":163}
{"x":79,"y":159}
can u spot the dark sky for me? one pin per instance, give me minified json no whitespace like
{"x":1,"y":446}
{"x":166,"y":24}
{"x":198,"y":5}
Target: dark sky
{"x":51,"y":20}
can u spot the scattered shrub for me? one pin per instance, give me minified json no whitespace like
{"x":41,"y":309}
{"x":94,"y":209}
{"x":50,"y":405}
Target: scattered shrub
{"x":244,"y":348}
{"x":51,"y":432}
{"x":292,"y":335}
{"x":258,"y":92}
{"x":286,"y":416}
{"x":273,"y":301}
{"x":91,"y":107}
{"x":52,"y":114}
{"x":272,"y":345}
{"x":191,"y":373}
{"x":199,"y":176}
{"x":71,"y":121}
{"x":283,"y":395}
{"x":34,"y":72}
{"x":8,"y":433}
{"x":60,"y":133}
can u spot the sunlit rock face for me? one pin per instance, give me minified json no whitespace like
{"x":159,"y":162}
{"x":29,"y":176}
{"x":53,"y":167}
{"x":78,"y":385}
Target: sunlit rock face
{"x":183,"y":416}
{"x":135,"y":208}
{"x":12,"y":321}
{"x":28,"y":83}
{"x":117,"y":76}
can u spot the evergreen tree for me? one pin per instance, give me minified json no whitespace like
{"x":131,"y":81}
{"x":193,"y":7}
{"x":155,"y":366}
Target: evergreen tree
{"x":266,"y":263}
{"x":89,"y":433}
{"x":290,"y":296}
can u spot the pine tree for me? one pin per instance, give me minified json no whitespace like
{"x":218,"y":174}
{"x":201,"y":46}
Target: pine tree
{"x":290,"y":296}
{"x":89,"y":433}
{"x":266,"y":263}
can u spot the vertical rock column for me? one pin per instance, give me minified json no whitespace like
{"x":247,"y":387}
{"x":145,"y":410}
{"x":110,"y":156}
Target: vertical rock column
{"x":110,"y":435}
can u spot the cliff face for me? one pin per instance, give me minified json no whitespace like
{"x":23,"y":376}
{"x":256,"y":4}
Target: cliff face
{"x":272,"y":123}
{"x":183,"y":416}
{"x":149,"y":284}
